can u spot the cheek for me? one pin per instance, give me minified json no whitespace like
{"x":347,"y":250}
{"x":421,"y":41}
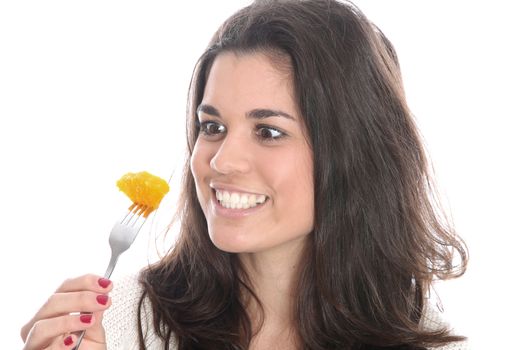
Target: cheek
{"x":292,"y":179}
{"x":198,"y":161}
{"x":304,"y":196}
{"x":199,"y":168}
{"x":303,"y":187}
{"x":193,"y":164}
{"x":294,"y":170}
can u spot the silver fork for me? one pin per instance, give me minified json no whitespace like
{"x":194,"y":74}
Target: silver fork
{"x":121,"y":237}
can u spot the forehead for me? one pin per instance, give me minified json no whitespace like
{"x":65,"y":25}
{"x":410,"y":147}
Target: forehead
{"x":253,"y":78}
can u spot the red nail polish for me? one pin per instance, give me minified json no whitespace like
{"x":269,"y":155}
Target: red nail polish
{"x":102,"y":299}
{"x":86,"y":318}
{"x":68,"y":341}
{"x":104,"y":282}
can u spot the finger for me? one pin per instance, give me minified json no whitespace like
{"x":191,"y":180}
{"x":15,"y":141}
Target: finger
{"x":67,"y":341}
{"x":90,"y":282}
{"x":44,"y":332}
{"x":61,"y":304}
{"x":66,"y":303}
{"x":96,"y":333}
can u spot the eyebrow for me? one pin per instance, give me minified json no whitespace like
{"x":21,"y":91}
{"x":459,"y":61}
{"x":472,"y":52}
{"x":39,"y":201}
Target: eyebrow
{"x":258,"y":113}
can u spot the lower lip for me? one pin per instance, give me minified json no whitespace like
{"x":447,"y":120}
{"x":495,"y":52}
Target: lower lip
{"x":235,"y":213}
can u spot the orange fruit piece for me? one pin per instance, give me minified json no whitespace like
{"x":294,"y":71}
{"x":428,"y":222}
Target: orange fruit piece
{"x":143,"y":188}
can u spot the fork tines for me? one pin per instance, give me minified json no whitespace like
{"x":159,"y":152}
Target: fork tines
{"x":135,"y":211}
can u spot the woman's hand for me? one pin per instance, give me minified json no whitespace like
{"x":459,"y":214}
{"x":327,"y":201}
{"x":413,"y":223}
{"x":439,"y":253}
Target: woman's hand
{"x":53,"y":325}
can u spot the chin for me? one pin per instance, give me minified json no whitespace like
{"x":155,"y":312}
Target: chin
{"x":230,"y":242}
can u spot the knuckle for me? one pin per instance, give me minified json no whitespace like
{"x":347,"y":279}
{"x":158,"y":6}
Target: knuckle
{"x":66,"y":323}
{"x":85,"y":300}
{"x":64,"y":284}
{"x":37,"y":327}
{"x":24,"y":331}
{"x":89,"y":277}
{"x":49,"y":300}
{"x":75,"y":282}
{"x":89,"y":281}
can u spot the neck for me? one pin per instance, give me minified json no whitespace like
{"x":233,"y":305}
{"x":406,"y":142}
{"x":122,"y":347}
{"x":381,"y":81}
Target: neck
{"x":272,"y":275}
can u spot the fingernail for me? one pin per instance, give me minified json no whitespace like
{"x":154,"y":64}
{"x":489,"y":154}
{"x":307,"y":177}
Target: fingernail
{"x":104,"y":282}
{"x":68,"y":341}
{"x":86,"y":318}
{"x":102,"y":299}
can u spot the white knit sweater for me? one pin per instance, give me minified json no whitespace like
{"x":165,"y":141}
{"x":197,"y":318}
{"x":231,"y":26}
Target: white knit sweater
{"x":120,"y":321}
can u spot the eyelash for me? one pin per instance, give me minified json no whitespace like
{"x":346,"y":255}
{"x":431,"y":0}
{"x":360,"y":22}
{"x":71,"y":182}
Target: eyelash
{"x":273,"y":130}
{"x":203,"y":129}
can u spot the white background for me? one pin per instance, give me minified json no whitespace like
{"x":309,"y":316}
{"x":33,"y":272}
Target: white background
{"x":91,"y":90}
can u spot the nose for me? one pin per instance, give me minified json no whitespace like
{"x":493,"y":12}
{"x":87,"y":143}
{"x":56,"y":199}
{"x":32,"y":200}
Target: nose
{"x":232,"y":156}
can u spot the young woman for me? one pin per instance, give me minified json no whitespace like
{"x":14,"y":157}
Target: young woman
{"x":307,"y":214}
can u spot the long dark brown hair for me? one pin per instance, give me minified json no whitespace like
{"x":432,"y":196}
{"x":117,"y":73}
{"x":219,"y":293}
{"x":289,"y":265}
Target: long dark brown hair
{"x":379,"y":237}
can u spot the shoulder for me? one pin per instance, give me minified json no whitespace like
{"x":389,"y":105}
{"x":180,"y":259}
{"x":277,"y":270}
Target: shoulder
{"x":120,"y":321}
{"x":460,"y":345}
{"x":433,"y":319}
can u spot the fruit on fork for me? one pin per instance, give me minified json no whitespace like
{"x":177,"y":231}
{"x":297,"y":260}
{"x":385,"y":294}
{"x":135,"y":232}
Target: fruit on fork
{"x":144,"y":189}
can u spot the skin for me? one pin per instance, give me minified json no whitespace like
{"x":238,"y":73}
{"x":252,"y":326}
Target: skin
{"x":231,"y":154}
{"x":238,"y":151}
{"x":50,"y":326}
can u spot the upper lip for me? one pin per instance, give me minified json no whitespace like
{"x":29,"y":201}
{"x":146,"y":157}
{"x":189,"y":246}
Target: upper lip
{"x":233,"y":188}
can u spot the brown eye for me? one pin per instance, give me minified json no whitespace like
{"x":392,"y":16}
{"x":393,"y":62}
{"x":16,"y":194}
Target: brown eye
{"x":211,"y":128}
{"x":267,"y":133}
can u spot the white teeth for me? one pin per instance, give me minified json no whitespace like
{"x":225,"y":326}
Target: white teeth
{"x":236,"y":200}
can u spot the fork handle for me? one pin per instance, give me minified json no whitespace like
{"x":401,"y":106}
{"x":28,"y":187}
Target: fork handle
{"x":111,"y":265}
{"x":80,"y":337}
{"x":109,"y":271}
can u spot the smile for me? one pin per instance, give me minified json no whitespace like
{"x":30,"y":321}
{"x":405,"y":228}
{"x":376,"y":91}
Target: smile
{"x":238,"y":200}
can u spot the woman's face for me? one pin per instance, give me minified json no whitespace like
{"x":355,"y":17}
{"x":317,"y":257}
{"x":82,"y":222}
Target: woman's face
{"x":252,"y":164}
